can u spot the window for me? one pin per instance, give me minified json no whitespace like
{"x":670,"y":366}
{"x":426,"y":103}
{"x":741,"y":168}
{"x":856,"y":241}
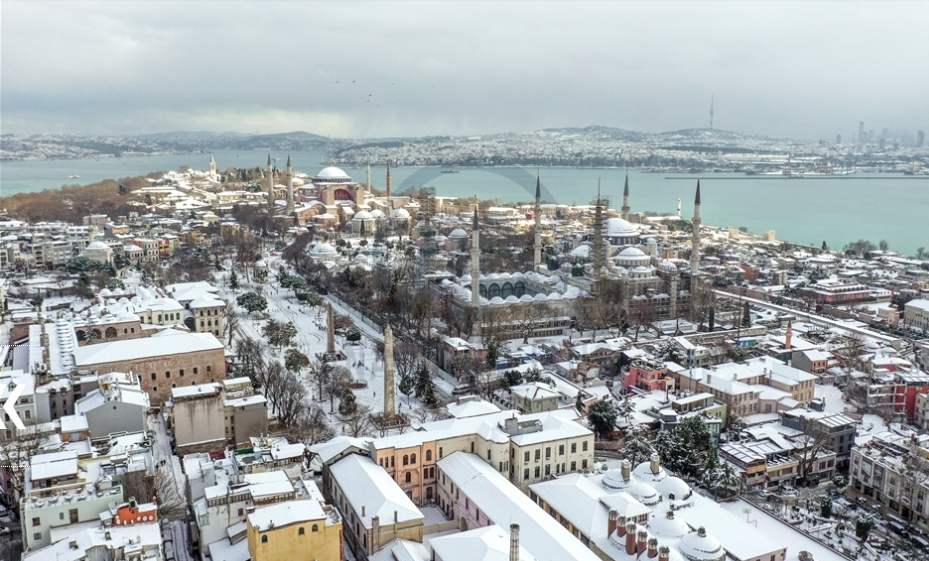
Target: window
{"x":154,"y":376}
{"x":406,"y":460}
{"x":548,"y":469}
{"x":413,"y":459}
{"x":264,"y":539}
{"x":315,"y":527}
{"x":583,"y":464}
{"x":440,"y":452}
{"x":37,"y":536}
{"x":301,"y":531}
{"x":574,"y":447}
{"x":573,"y":466}
{"x":584,"y":446}
{"x":209,"y":368}
{"x":428,"y":455}
{"x":391,"y":461}
{"x":526,"y":473}
{"x":195,"y":370}
{"x":526,"y":456}
{"x":409,"y":477}
{"x":538,"y":455}
{"x":241,"y":512}
{"x":168,"y":374}
{"x":561,"y":450}
{"x":181,"y":373}
{"x":538,"y":472}
{"x":36,"y":521}
{"x":548,"y":452}
{"x":488,"y":453}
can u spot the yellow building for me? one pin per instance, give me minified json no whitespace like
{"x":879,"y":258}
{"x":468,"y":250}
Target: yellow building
{"x":302,"y":530}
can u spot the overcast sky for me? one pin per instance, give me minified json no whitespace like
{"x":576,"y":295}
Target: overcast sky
{"x":355,"y":69}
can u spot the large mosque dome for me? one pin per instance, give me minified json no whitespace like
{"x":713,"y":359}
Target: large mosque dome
{"x":332,"y":174}
{"x":620,"y":227}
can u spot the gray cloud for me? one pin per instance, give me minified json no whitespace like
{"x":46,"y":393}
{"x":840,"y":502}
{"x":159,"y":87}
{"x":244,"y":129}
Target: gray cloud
{"x":809,"y":69}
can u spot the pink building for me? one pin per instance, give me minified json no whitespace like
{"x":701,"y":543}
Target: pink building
{"x":647,"y":375}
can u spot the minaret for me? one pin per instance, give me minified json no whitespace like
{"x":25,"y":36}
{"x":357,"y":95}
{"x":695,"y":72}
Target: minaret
{"x":368,"y":176}
{"x":790,"y":333}
{"x":537,"y":249}
{"x":270,"y":185}
{"x":389,"y":193}
{"x":389,"y":408}
{"x":695,"y":242}
{"x":626,"y":208}
{"x":212,"y":166}
{"x":92,"y":232}
{"x":679,"y":215}
{"x":475,"y":261}
{"x":599,"y":246}
{"x":290,"y":187}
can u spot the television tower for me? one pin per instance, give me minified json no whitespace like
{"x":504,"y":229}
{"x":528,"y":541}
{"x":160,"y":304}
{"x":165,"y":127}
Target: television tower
{"x":711,"y":112}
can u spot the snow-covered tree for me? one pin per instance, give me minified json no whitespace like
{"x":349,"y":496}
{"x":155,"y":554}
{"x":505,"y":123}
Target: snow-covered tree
{"x":602,"y":417}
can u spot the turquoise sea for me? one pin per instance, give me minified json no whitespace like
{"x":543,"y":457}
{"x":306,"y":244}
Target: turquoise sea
{"x":810,"y":210}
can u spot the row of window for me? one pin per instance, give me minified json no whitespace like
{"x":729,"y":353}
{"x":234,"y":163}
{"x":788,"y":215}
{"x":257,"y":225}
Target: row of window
{"x":300,"y":532}
{"x":559,"y":469}
{"x":548,"y":451}
{"x":180,"y":372}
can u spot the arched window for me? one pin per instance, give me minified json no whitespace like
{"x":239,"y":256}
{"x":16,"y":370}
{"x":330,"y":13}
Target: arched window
{"x":315,"y":527}
{"x":413,"y":459}
{"x":264,"y":539}
{"x":111,"y":332}
{"x":406,"y":460}
{"x":428,"y":455}
{"x":301,"y":531}
{"x":482,"y":290}
{"x":409,"y":477}
{"x":81,"y":335}
{"x":96,"y":333}
{"x":507,"y":290}
{"x":519,"y":289}
{"x":493,"y":291}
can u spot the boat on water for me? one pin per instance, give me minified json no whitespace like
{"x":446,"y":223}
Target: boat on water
{"x":72,"y":176}
{"x":450,"y":171}
{"x":912,"y":169}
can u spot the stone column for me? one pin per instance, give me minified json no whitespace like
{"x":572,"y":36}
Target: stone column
{"x":389,"y":406}
{"x":330,"y":332}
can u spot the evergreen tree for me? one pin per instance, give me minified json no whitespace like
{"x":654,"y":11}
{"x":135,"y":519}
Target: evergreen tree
{"x":233,"y":280}
{"x":424,"y":386}
{"x":602,"y":417}
{"x":746,"y":315}
{"x":406,"y":386}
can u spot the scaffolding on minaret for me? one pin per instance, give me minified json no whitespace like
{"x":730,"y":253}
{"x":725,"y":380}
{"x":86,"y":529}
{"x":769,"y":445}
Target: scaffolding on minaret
{"x":428,"y":248}
{"x":600,"y":204}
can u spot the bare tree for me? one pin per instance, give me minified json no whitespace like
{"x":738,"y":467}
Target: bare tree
{"x":230,"y":322}
{"x":643,"y":314}
{"x":358,"y":422}
{"x":161,"y":486}
{"x":17,"y":446}
{"x":311,"y":426}
{"x":813,"y":440}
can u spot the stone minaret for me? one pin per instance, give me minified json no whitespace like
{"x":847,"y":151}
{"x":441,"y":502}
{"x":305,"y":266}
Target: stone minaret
{"x":626,"y":208}
{"x":790,"y":332}
{"x":537,"y":249}
{"x":514,"y":542}
{"x":599,"y":247}
{"x":212,"y":166}
{"x":330,"y":331}
{"x":92,"y":232}
{"x":270,"y":185}
{"x":695,"y":251}
{"x":475,"y":261}
{"x":389,"y":407}
{"x":672,"y":308}
{"x":368,"y":177}
{"x":290,"y":187}
{"x":389,"y":192}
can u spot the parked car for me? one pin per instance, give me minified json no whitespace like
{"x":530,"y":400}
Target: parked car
{"x":805,"y":556}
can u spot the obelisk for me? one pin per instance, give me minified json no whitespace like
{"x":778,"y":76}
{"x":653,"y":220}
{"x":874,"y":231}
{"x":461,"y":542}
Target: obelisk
{"x":330,"y":333}
{"x":389,"y":406}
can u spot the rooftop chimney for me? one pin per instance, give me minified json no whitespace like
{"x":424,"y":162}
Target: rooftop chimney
{"x":514,"y":542}
{"x":655,"y":463}
{"x":630,"y":538}
{"x":375,"y":532}
{"x":652,"y":547}
{"x":701,"y":531}
{"x":664,"y":553}
{"x":621,"y":526}
{"x":611,"y":521}
{"x":641,"y":539}
{"x":626,"y":470}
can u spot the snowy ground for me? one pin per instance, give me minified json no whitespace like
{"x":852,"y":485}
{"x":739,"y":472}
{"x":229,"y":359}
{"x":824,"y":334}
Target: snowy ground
{"x":175,"y":530}
{"x":870,"y":424}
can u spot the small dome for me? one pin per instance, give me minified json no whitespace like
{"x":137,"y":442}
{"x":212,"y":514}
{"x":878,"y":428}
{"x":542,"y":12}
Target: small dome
{"x":322,"y":249}
{"x":458,"y":233}
{"x":644,"y":493}
{"x":668,"y":527}
{"x":614,"y":480}
{"x":540,"y":296}
{"x":631,"y":252}
{"x":699,"y":546}
{"x":363,"y":215}
{"x":512,"y":298}
{"x":400,"y":213}
{"x":525,"y":298}
{"x":378,"y":213}
{"x":644,"y":472}
{"x":673,"y":486}
{"x":496,"y":300}
{"x":332,"y":174}
{"x":98,"y":245}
